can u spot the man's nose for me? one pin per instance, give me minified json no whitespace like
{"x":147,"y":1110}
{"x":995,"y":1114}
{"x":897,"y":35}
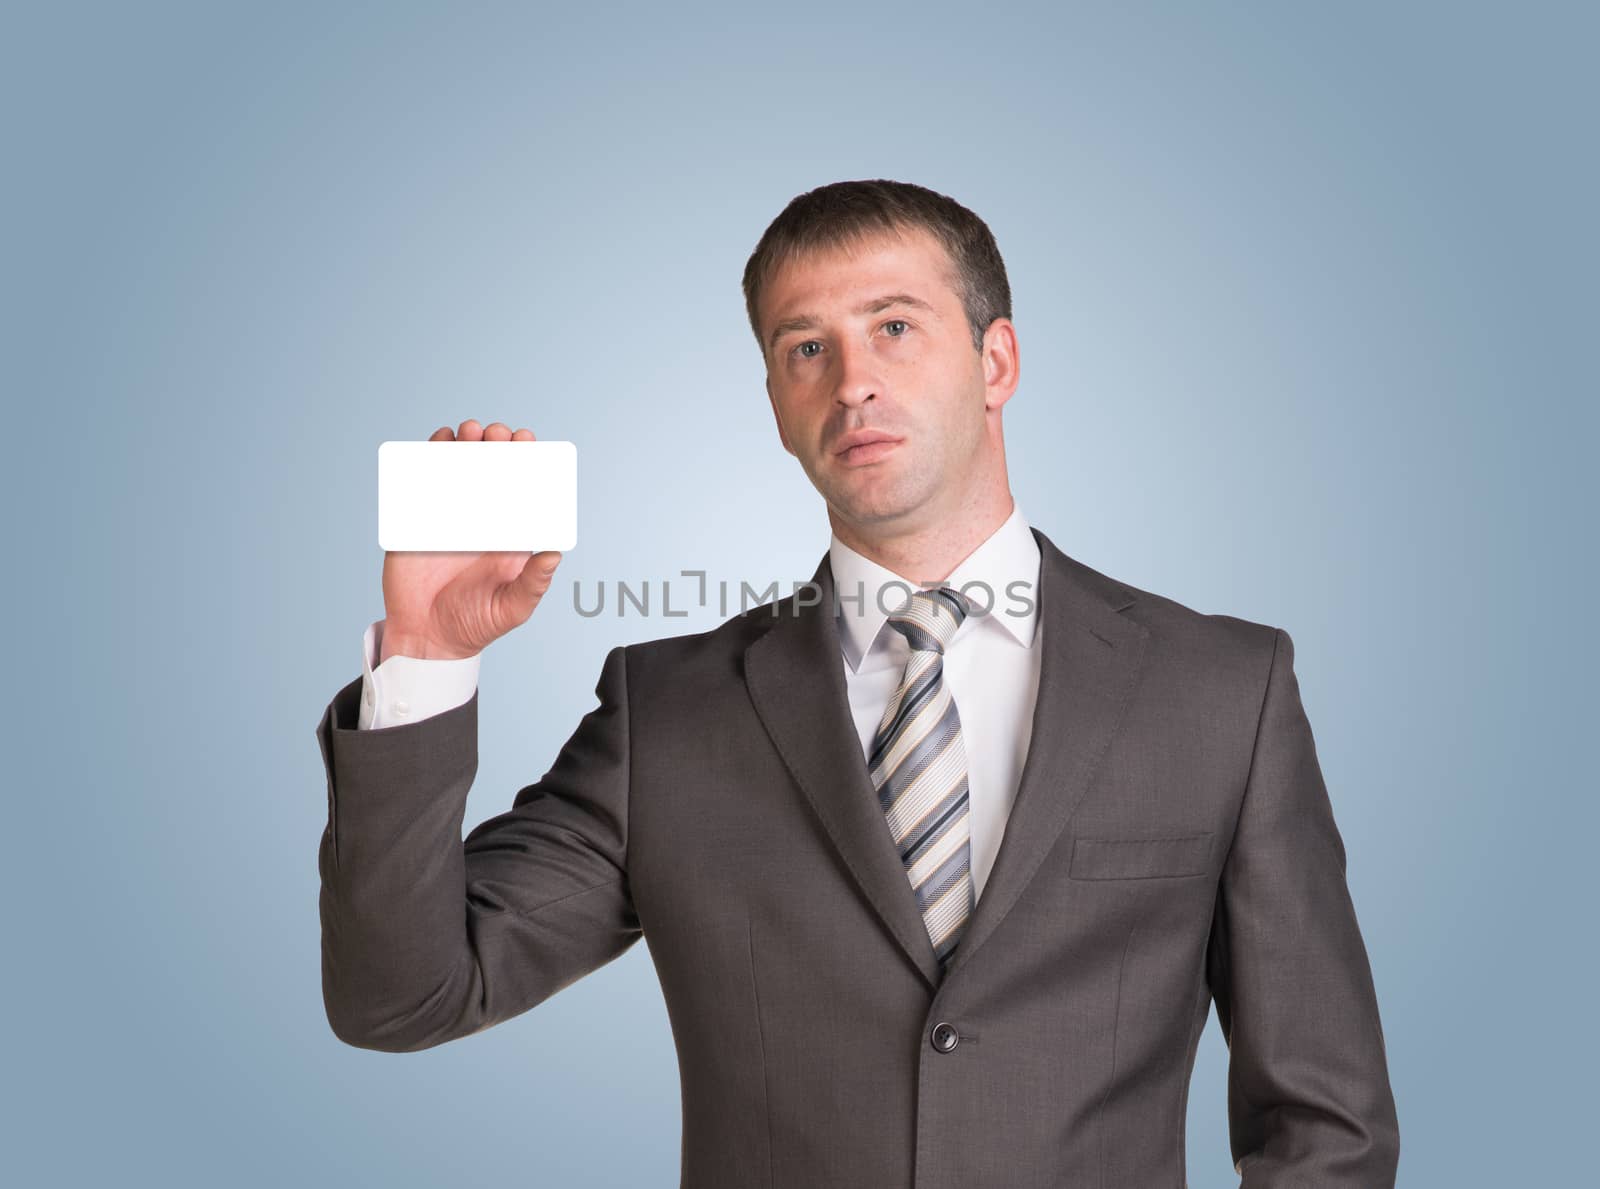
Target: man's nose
{"x":858,"y":381}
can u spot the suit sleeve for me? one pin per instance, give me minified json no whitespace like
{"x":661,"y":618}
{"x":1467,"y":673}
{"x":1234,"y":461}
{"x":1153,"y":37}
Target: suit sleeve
{"x":1309,"y":1100}
{"x":427,"y":937}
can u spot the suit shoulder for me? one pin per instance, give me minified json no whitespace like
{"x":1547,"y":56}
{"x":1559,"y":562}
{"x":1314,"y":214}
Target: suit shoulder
{"x":714,"y":646}
{"x":1177,"y":625}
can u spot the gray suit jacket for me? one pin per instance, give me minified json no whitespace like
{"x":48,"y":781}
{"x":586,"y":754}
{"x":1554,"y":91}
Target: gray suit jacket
{"x":1171,"y":844}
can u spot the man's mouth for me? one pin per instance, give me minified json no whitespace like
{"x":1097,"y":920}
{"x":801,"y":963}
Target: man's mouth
{"x":861,"y":446}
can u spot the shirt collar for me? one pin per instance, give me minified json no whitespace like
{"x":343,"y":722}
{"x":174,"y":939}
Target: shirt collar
{"x":1010,"y":554}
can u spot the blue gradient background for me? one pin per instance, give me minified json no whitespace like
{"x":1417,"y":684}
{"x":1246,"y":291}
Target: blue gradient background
{"x":1299,"y":295}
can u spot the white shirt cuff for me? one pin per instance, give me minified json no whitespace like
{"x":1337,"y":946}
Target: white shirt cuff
{"x":406,"y":689}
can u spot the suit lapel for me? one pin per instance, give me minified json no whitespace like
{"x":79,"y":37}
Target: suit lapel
{"x":795,"y":672}
{"x":1092,"y":656}
{"x":1091,"y":661}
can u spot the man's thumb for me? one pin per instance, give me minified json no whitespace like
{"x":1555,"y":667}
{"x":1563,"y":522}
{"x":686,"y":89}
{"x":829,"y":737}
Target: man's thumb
{"x":536,"y":574}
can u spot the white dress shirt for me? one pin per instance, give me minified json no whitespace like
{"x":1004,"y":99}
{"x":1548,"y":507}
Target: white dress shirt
{"x":991,"y":665}
{"x":406,"y":689}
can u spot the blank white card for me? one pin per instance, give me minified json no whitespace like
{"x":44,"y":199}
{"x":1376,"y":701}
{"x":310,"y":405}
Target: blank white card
{"x":477,"y":496}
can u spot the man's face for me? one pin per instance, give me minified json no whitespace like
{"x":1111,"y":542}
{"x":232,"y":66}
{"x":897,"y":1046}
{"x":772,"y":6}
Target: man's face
{"x":875,"y":343}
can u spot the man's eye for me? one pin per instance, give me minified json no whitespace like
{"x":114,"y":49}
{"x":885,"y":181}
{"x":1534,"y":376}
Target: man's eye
{"x":800,"y":349}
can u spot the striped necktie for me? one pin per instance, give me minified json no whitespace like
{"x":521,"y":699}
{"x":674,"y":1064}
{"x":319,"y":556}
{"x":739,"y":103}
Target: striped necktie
{"x":919,"y":768}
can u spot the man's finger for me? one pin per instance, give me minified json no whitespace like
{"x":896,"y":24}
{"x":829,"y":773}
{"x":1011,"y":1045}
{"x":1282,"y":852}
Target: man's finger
{"x":536,"y":574}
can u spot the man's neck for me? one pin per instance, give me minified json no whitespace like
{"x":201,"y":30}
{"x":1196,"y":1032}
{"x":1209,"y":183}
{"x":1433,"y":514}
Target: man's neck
{"x":929,"y":554}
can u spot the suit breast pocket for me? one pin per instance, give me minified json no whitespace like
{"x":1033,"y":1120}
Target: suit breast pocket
{"x":1165,"y":857}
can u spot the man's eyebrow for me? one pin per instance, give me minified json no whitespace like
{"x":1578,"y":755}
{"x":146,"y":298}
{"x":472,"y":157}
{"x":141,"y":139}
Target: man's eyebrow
{"x":876,"y":305}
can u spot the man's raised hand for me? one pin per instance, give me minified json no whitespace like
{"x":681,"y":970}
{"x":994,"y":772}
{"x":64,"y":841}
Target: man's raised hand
{"x":445,"y":606}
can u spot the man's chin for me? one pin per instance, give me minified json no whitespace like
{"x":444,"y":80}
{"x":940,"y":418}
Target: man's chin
{"x":882,"y":506}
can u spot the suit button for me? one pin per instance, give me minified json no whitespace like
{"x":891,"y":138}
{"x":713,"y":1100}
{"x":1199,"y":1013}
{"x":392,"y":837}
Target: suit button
{"x":945,"y":1037}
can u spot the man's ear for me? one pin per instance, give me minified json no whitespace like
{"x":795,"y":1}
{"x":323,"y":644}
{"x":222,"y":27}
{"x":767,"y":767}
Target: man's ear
{"x":782,"y":437}
{"x":1002,"y":366}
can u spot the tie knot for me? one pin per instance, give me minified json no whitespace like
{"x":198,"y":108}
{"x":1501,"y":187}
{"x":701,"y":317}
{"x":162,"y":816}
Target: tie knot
{"x":931,"y":618}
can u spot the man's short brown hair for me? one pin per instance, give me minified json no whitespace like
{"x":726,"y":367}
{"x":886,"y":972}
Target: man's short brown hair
{"x":847,"y":214}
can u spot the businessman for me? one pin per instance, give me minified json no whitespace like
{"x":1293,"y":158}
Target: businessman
{"x":941,"y":860}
